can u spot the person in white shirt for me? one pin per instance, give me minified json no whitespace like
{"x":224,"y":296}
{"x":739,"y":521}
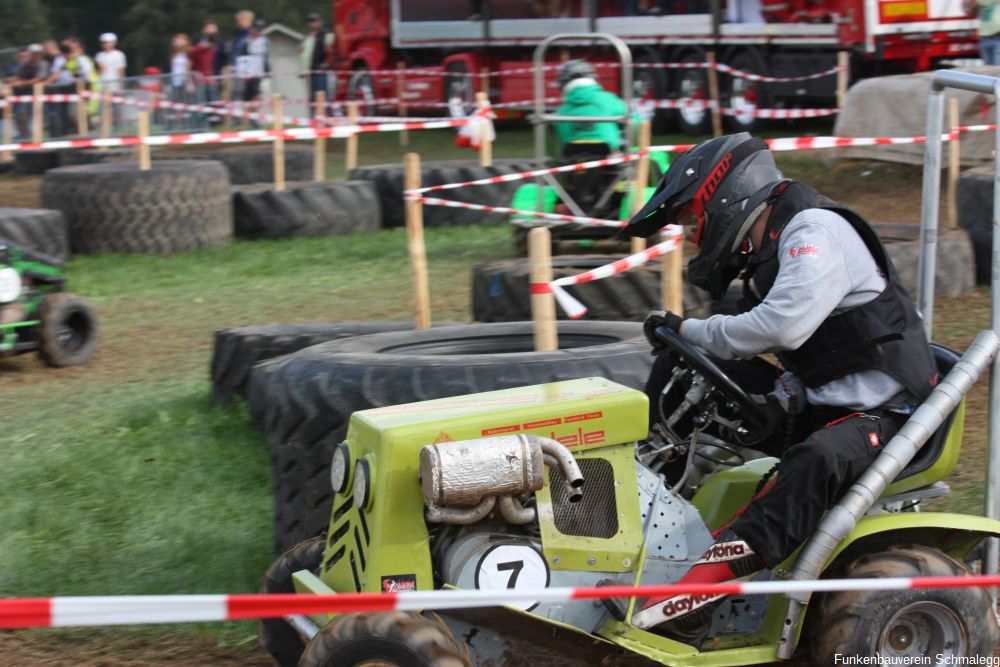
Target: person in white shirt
{"x":110,"y":63}
{"x":181,"y":82}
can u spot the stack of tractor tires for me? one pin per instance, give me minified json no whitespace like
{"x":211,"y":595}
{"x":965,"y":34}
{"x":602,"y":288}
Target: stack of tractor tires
{"x":35,"y":162}
{"x":304,"y":400}
{"x":388,"y":180}
{"x":313,"y":208}
{"x":975,"y":215}
{"x":113,"y":207}
{"x":41,"y":230}
{"x":955,"y":258}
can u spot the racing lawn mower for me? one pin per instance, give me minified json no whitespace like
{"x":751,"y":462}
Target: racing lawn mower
{"x":35,"y":312}
{"x":557,"y":485}
{"x":607,"y":192}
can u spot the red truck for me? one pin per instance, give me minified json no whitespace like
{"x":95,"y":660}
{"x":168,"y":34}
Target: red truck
{"x":455,"y":40}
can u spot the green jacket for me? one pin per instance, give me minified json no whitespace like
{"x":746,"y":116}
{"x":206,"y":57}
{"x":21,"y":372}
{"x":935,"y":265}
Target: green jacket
{"x":591,"y":100}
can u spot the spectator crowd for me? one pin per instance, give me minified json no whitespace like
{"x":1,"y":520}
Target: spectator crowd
{"x":194,"y":73}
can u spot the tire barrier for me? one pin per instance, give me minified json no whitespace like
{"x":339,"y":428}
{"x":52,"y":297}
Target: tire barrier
{"x":304,"y":400}
{"x":39,"y":229}
{"x":975,"y":215}
{"x":312,"y":208}
{"x":113,"y":207}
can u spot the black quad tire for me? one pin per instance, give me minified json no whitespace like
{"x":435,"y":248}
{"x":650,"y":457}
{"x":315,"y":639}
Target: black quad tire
{"x":276,"y":636}
{"x":396,"y":638}
{"x":68,"y":330}
{"x":912,"y":622}
{"x":36,"y":228}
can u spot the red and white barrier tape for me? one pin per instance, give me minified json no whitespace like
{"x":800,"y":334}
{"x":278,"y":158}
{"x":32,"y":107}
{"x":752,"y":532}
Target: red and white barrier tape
{"x":732,"y":71}
{"x":240,"y":136}
{"x":692,"y":103}
{"x":574,"y":308}
{"x":147,"y":609}
{"x":553,"y":217}
{"x":57,"y":97}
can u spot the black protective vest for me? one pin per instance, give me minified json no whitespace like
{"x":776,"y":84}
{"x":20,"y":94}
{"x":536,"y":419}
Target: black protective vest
{"x":884,"y":334}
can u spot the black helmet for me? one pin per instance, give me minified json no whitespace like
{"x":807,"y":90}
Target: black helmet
{"x":717,"y":189}
{"x":575,"y":69}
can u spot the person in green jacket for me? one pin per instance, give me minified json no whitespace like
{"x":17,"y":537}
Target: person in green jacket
{"x":584,"y":96}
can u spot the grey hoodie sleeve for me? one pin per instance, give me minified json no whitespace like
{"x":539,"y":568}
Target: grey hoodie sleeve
{"x":813,"y":279}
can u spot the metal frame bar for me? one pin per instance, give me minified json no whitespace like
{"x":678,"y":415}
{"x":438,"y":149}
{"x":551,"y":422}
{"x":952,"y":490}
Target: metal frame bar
{"x":838,"y":523}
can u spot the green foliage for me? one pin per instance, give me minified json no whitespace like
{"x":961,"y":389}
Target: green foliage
{"x":22,"y":22}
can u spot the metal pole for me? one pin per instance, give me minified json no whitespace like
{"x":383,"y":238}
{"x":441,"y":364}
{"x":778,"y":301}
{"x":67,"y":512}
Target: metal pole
{"x":929,"y":207}
{"x":991,"y":564}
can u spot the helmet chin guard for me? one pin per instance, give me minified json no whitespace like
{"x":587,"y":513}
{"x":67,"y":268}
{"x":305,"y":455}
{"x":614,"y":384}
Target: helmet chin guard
{"x":726,"y":183}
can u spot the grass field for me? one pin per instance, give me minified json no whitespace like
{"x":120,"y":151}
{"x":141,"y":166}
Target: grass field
{"x":120,"y":478}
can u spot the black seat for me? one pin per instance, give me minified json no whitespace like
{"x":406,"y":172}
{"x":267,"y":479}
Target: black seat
{"x":933,"y":448}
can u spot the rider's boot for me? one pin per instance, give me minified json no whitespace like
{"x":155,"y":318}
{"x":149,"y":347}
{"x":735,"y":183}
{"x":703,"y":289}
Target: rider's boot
{"x":687,"y":617}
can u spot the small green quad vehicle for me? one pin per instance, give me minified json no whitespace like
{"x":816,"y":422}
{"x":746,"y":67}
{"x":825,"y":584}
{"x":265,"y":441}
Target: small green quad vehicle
{"x":556,"y":485}
{"x":35,"y":312}
{"x":606,"y":193}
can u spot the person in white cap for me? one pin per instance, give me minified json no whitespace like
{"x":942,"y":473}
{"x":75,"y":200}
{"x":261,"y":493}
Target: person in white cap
{"x":110,"y":63}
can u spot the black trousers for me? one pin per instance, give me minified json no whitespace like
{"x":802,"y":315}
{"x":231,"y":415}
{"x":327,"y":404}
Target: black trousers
{"x":826,"y":450}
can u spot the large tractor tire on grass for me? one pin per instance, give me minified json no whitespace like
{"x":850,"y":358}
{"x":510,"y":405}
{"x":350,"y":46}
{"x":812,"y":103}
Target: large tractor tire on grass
{"x":249,"y":163}
{"x":388,"y":179}
{"x":387,"y":639}
{"x":954,"y":272}
{"x":310,"y":395}
{"x":72,"y":157}
{"x":35,"y":162}
{"x":36,"y":228}
{"x":500,"y":291}
{"x":305,"y":209}
{"x":113,"y":207}
{"x":931,"y":623}
{"x":276,"y":636}
{"x":236,"y":351}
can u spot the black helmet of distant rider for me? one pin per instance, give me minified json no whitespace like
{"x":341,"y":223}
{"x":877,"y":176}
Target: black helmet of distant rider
{"x":716,"y":191}
{"x":575,"y":69}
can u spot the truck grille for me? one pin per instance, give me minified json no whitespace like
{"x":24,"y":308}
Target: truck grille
{"x":596,"y":515}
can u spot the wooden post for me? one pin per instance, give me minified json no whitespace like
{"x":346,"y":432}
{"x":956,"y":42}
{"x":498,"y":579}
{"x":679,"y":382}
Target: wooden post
{"x":843,"y":77}
{"x":143,"y":147}
{"x":484,"y":80}
{"x":485,"y":140}
{"x":672,"y":281}
{"x":713,"y":95}
{"x":279,"y":144}
{"x":404,"y":136}
{"x":641,"y":179}
{"x":106,"y":117}
{"x":8,"y":130}
{"x":415,"y":244}
{"x":954,"y":162}
{"x":37,"y":117}
{"x":227,"y":95}
{"x":319,"y":145}
{"x":81,"y":110}
{"x":351,"y":152}
{"x":543,"y":305}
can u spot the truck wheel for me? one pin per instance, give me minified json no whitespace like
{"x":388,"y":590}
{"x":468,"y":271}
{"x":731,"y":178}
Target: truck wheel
{"x":743,"y":95}
{"x":913,"y":622}
{"x":459,"y":91}
{"x":692,"y":87}
{"x":68,"y":330}
{"x":649,"y":84}
{"x":276,"y":636}
{"x":361,"y":89}
{"x":395,"y":638}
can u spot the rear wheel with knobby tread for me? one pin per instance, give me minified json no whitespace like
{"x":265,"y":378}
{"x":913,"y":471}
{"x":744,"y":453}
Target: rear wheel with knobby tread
{"x":276,"y":636}
{"x":911,"y":623}
{"x":388,"y":639}
{"x":68,"y":330}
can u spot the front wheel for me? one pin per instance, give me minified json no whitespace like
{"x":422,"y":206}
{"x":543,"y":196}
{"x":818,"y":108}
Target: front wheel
{"x":911,"y":623}
{"x":276,"y":636}
{"x":389,"y":639}
{"x":68,"y":330}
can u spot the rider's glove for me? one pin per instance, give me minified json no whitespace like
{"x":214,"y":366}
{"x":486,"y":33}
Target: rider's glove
{"x":660,"y":318}
{"x":774,"y":416}
{"x":790,"y":392}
